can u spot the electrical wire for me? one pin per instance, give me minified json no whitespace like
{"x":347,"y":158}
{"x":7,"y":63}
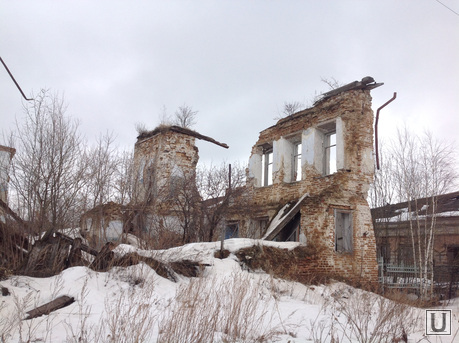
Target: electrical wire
{"x":441,"y":3}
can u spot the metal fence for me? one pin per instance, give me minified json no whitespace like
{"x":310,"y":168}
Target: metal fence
{"x":446,"y":278}
{"x":397,"y":276}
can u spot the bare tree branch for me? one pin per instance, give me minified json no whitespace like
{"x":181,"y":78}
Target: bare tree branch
{"x":185,"y":116}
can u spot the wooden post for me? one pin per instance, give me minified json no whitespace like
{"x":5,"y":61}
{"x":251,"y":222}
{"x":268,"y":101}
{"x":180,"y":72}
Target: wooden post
{"x":47,"y":308}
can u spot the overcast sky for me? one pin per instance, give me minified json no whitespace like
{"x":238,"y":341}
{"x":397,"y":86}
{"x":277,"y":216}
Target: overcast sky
{"x":119,"y":63}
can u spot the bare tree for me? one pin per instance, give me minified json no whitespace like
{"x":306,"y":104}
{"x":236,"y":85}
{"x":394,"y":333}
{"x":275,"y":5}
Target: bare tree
{"x":382,"y":190}
{"x":331,"y":82}
{"x":419,"y":168}
{"x":141,"y":128}
{"x":165,"y":118}
{"x":185,"y":116}
{"x":124,"y":178}
{"x":214,"y":186}
{"x":291,"y":108}
{"x":186,"y":200}
{"x":380,"y":195}
{"x":48,"y":170}
{"x":102,"y":163}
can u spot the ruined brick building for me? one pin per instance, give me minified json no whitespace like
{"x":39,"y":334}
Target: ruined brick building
{"x":308,"y":179}
{"x":161,"y":156}
{"x":392,"y":229}
{"x":165,"y":197}
{"x":398,"y":226}
{"x":165,"y":161}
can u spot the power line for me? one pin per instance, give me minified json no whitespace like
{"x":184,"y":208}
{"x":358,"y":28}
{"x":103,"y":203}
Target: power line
{"x":441,"y":3}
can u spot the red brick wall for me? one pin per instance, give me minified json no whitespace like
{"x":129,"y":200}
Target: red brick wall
{"x":345,"y":189}
{"x":166,"y":152}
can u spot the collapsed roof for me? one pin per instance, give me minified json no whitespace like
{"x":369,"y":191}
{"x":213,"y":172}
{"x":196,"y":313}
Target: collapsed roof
{"x":367,"y":83}
{"x":447,"y":204}
{"x":173,"y":128}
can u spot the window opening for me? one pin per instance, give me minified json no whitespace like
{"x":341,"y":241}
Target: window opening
{"x":330,"y":153}
{"x":452,"y":254}
{"x":291,"y":232}
{"x":343,"y":231}
{"x":297,"y":162}
{"x":232,"y":231}
{"x":141,"y":172}
{"x":258,"y":227}
{"x":267,"y":172}
{"x":149,"y":177}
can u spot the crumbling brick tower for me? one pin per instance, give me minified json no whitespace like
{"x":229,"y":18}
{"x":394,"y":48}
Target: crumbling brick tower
{"x":160,"y":156}
{"x":309,"y":176}
{"x":165,"y":162}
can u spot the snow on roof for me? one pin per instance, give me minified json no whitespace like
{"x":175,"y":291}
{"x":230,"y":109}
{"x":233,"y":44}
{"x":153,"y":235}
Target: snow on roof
{"x":446,"y":205}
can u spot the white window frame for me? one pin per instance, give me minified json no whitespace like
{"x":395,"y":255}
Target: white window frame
{"x":296,"y":170}
{"x":267,"y":167}
{"x":329,"y":147}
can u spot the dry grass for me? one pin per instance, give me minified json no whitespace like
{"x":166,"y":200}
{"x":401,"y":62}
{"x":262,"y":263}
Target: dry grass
{"x":278,"y":262}
{"x":364,"y":317}
{"x":128,"y":316}
{"x":211,"y":310}
{"x":240,"y":307}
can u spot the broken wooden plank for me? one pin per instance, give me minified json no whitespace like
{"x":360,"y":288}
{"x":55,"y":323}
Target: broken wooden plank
{"x":12,"y":214}
{"x":83,"y":247}
{"x":179,"y":129}
{"x":185,"y":267}
{"x":104,"y":259}
{"x":46,"y":258}
{"x":282,"y":218}
{"x":75,"y":257}
{"x":47,"y":308}
{"x":197,"y":135}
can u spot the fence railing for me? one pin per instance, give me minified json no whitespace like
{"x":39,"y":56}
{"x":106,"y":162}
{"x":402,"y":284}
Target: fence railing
{"x":397,"y":276}
{"x":445,"y":283}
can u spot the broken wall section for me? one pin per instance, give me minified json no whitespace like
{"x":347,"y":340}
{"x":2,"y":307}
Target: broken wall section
{"x":6,"y":155}
{"x":161,"y":159}
{"x":325,"y":156}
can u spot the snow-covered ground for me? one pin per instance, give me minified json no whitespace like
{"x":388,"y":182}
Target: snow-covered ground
{"x":227,"y":303}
